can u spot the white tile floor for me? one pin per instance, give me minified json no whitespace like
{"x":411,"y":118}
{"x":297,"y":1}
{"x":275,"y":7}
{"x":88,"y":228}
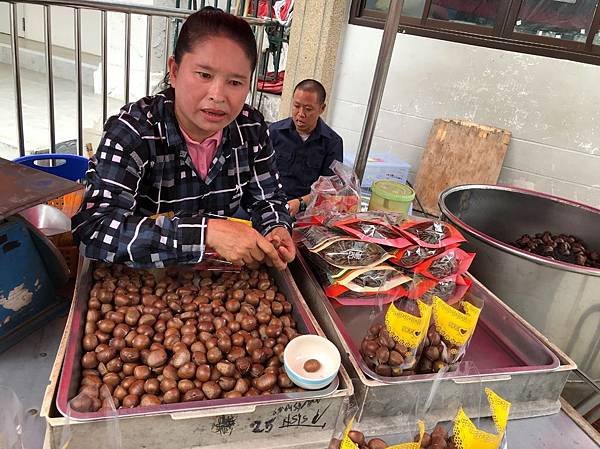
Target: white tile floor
{"x":34,"y":88}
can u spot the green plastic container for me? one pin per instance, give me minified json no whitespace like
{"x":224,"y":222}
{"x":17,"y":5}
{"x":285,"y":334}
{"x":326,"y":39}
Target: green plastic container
{"x":391,"y":196}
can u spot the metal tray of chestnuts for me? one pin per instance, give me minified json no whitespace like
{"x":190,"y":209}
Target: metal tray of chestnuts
{"x":508,"y":355}
{"x":177,"y":340}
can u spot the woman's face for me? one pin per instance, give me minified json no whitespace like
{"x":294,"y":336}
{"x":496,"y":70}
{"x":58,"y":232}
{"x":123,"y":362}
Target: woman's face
{"x":211,"y":83}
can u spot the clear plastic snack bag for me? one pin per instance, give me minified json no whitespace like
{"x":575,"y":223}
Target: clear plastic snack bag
{"x":451,"y":289}
{"x":471,"y":426}
{"x":332,"y":195}
{"x":365,"y":286}
{"x":482,"y":434}
{"x":11,"y":420}
{"x":413,"y":255}
{"x":350,"y":433}
{"x":354,"y":254}
{"x":394,"y":340}
{"x":317,"y":237}
{"x":439,"y":409}
{"x":449,"y":333}
{"x":82,"y":404}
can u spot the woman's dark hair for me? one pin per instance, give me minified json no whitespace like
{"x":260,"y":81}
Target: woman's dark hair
{"x":213,"y":22}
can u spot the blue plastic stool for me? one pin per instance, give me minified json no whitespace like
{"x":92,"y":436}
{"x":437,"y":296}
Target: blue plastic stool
{"x":73,"y":168}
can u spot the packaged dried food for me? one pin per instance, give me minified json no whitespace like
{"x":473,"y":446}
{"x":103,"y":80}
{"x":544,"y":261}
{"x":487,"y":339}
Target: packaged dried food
{"x":375,"y":279}
{"x":451,"y":262}
{"x":451,"y":289}
{"x":449,"y":333}
{"x":431,"y":233}
{"x":317,"y":237}
{"x":413,"y":255}
{"x":393,"y":343}
{"x":372,"y":227}
{"x":355,"y":439}
{"x":354,"y":254}
{"x":362,"y":286}
{"x":347,"y":297}
{"x":324,"y":269}
{"x":350,"y":433}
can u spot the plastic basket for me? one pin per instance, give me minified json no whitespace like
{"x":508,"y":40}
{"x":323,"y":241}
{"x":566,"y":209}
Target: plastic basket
{"x":66,"y":246}
{"x":69,"y":204}
{"x":71,"y":255}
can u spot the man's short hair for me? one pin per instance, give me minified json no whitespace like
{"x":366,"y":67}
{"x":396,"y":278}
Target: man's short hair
{"x":310,"y":85}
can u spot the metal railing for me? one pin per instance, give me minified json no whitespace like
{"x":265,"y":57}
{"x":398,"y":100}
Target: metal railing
{"x":170,"y":15}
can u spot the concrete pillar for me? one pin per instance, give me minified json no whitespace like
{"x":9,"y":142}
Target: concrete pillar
{"x":315,"y":38}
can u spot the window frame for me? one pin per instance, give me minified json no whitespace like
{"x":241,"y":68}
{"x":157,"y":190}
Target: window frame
{"x":502,"y":36}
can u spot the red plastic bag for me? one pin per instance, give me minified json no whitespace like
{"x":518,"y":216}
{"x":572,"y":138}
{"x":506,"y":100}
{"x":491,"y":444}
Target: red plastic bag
{"x":361,"y":287}
{"x":451,"y":262}
{"x":317,"y":237}
{"x":414,"y":255}
{"x":347,"y":297}
{"x":431,"y":233}
{"x":450,"y":289}
{"x":371,"y":227}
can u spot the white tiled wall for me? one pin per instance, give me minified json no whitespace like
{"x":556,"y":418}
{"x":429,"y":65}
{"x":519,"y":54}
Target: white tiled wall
{"x":551,"y":106}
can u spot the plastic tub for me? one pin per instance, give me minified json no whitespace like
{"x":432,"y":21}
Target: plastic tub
{"x":391,"y":196}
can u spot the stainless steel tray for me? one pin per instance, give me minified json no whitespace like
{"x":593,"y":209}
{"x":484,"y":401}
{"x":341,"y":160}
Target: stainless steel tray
{"x":512,"y":357}
{"x":498,"y":346}
{"x":71,"y":370}
{"x":291,"y":424}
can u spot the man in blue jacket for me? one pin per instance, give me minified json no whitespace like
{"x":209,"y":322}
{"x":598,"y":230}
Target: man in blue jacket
{"x":304,"y":145}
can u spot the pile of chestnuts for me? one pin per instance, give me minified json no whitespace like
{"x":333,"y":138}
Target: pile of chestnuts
{"x":189,"y":336}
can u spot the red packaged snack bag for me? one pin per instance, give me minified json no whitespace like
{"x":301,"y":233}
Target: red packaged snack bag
{"x":354,"y":254}
{"x":431,"y":233}
{"x":450,"y":289}
{"x":367,"y":283}
{"x":317,"y":237}
{"x":371,"y":227}
{"x":413,"y":255}
{"x":451,"y":262}
{"x":347,"y":297}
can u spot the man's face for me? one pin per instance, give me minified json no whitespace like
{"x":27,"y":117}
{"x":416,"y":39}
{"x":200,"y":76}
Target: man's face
{"x":306,"y":110}
{"x":210,"y":89}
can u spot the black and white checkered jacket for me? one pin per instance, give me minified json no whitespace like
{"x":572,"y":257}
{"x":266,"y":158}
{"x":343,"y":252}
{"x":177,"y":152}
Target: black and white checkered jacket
{"x":145,"y":204}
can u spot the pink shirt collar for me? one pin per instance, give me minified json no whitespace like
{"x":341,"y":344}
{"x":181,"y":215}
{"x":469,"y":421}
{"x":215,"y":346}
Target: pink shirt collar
{"x":203,"y":153}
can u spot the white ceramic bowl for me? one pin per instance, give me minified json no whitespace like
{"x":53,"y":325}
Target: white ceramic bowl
{"x":306,"y":347}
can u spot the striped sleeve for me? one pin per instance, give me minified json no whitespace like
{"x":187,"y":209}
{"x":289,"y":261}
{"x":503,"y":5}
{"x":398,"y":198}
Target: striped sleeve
{"x":107,"y":227}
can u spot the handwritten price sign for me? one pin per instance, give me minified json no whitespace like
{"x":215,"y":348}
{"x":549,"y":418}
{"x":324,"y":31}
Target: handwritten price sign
{"x":294,"y":416}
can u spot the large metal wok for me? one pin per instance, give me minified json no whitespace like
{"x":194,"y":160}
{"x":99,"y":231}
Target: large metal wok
{"x":561,"y":300}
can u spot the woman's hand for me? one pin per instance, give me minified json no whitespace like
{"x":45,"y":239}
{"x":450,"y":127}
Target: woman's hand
{"x":282,"y":241}
{"x":240,"y":244}
{"x":294,"y":206}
